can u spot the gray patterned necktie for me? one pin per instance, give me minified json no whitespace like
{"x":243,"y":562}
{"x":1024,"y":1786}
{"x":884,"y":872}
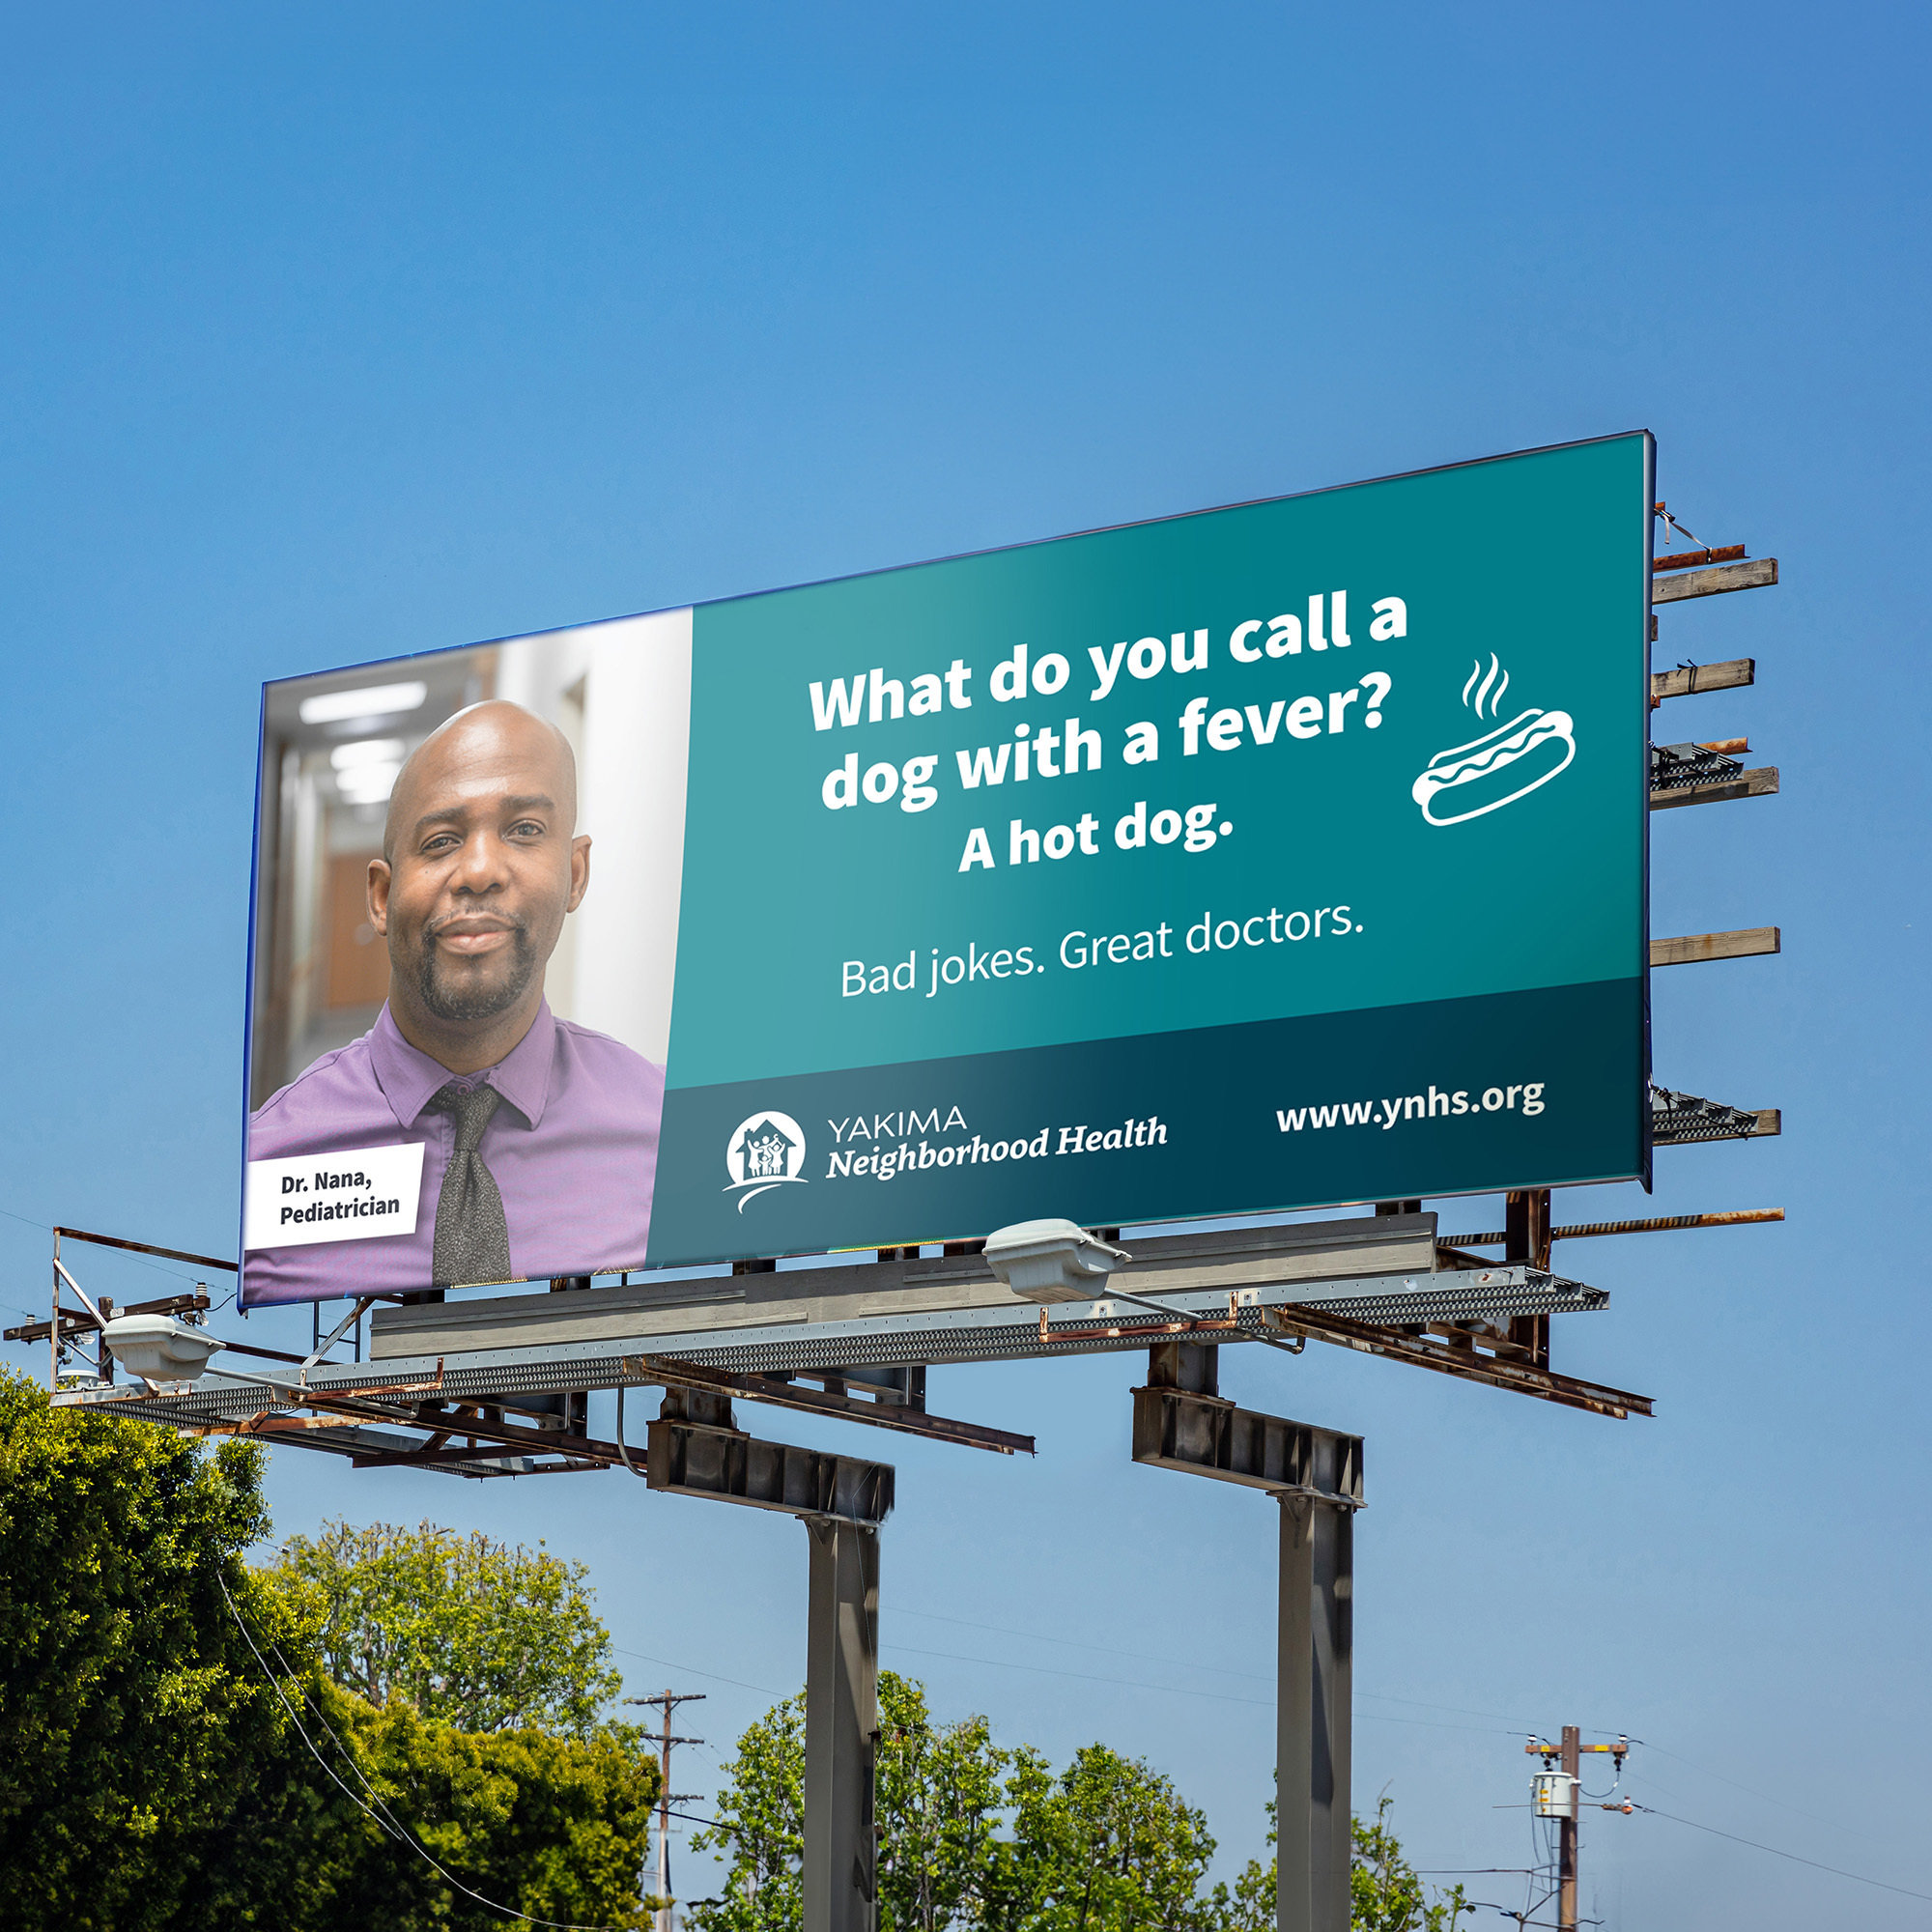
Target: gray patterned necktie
{"x":473,"y":1239}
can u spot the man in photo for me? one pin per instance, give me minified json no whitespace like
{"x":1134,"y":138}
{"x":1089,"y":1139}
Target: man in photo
{"x":540,"y":1137}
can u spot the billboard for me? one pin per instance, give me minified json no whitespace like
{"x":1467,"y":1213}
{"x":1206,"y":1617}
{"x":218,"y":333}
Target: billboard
{"x":1268,"y":856}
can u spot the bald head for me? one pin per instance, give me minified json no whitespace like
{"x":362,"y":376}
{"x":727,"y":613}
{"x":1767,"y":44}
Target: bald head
{"x":489,"y":742}
{"x":480,"y":867}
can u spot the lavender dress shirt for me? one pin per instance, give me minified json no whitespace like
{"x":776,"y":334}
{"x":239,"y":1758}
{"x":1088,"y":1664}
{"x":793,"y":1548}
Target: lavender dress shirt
{"x":573,"y":1148}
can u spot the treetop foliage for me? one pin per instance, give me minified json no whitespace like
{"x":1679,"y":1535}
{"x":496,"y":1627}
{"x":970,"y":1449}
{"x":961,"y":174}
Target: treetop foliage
{"x":130,"y":1710}
{"x":470,"y":1632}
{"x":1386,"y":1892}
{"x":979,"y":1837}
{"x":553,"y":1827}
{"x":152,"y":1777}
{"x":1108,"y":1843}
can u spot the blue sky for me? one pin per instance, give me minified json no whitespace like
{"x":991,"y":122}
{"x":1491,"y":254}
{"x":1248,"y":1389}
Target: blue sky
{"x":335,"y":333}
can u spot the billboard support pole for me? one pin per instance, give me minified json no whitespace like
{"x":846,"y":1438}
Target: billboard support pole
{"x":1314,"y":1710}
{"x":696,"y":1449}
{"x":841,"y":1726}
{"x":1182,"y":1421}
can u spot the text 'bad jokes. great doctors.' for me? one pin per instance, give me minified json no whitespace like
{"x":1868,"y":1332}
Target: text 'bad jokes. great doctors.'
{"x":1080,"y":950}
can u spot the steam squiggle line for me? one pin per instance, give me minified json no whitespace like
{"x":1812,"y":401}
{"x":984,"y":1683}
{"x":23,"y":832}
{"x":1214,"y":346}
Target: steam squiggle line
{"x":1483,"y":690}
{"x":1496,"y":702}
{"x":1475,"y":671}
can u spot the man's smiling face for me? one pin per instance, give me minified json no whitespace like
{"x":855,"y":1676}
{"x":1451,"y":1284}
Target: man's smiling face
{"x":479,"y":869}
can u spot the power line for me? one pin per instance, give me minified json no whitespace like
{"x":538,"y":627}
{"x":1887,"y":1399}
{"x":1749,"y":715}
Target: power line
{"x":1836,"y":1872}
{"x":1514,"y":1725}
{"x":1181,"y":1690}
{"x":1430,"y":1724}
{"x":1077,"y":1643}
{"x":763,"y":1689}
{"x":1516,"y":1722}
{"x":1769,"y":1798}
{"x":1512,"y":1718}
{"x":46,"y":1228}
{"x":1082,"y":1676}
{"x":1461,"y":1710}
{"x":712,"y":1824}
{"x":390,"y":1825}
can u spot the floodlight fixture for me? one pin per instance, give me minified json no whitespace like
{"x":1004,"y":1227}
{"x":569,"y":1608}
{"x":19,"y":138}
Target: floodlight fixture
{"x":159,"y":1348}
{"x":1052,"y":1261}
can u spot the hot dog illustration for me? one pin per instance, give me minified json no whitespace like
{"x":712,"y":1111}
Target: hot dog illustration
{"x":1470,"y":780}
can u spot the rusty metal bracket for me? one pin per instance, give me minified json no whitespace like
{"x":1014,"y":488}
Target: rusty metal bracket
{"x":672,"y":1373}
{"x":1399,"y":1345}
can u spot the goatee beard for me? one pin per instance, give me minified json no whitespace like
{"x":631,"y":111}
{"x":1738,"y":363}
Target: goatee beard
{"x":483,"y":1002}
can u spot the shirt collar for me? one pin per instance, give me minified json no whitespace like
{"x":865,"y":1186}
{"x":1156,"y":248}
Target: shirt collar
{"x":410,"y":1079}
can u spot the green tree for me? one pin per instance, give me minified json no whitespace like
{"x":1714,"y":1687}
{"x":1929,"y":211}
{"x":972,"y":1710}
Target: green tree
{"x":470,"y":1632}
{"x":761,"y":1811}
{"x":152,"y":1777}
{"x":971,"y":1834}
{"x":1386,"y":1893}
{"x":1108,"y":1844}
{"x":553,"y":1827}
{"x":938,"y":1798}
{"x":130,"y":1710}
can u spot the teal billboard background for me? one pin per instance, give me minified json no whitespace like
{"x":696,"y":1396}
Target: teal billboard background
{"x":857,"y":916}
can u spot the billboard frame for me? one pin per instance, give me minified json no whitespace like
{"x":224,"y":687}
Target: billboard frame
{"x":773,"y":1249}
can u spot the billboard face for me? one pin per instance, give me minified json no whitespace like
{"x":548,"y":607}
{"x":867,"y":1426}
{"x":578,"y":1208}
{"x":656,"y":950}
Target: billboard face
{"x":1270,"y":857}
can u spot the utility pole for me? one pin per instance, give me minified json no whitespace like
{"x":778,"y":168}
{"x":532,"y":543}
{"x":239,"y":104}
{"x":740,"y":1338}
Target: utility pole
{"x":1565,"y":1833}
{"x":666,"y":1701}
{"x":1557,"y":1794}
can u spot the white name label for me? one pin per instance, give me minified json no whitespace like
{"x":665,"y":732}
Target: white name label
{"x":357,"y":1194}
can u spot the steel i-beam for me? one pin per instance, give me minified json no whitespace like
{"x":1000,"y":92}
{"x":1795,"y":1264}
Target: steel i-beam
{"x":841,"y":1727}
{"x":697,"y":1451}
{"x":1314,"y":1700}
{"x":1180,"y":1422}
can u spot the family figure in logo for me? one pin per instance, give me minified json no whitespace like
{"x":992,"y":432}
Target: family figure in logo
{"x":765,"y":1156}
{"x":540,"y":1137}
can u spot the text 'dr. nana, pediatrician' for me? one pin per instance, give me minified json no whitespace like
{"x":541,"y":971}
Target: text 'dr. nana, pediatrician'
{"x":357,"y":1194}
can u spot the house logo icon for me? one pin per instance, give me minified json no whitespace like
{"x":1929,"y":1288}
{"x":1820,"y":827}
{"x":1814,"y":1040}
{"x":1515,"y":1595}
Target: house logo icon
{"x":764,"y":1152}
